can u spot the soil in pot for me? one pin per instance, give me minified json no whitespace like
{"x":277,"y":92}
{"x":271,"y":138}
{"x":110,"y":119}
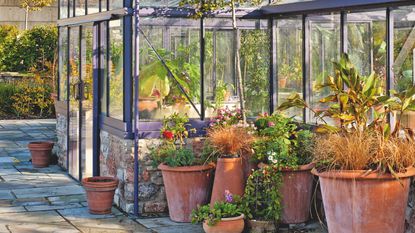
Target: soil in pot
{"x":100,"y":193}
{"x":41,"y":153}
{"x":226,"y":225}
{"x":359,"y":203}
{"x":257,"y":226}
{"x":296,"y":191}
{"x":186,"y":188}
{"x":229,"y":175}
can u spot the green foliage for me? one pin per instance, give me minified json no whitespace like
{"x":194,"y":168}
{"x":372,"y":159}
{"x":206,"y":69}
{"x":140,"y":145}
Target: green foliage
{"x":26,"y":99}
{"x":174,"y":157}
{"x":262,"y":198}
{"x":281,"y":142}
{"x":35,"y":5}
{"x":29,"y":50}
{"x":174,"y":128}
{"x":208,"y":6}
{"x":220,"y":210}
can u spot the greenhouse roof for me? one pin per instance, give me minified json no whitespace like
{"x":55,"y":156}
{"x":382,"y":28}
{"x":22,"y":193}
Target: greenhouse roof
{"x":319,"y":6}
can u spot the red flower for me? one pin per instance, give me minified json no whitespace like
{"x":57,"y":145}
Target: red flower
{"x":168,"y":135}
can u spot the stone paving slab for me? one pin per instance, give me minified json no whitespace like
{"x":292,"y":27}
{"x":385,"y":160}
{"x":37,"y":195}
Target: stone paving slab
{"x":82,"y":213}
{"x":48,"y":191}
{"x":40,"y":217}
{"x":44,"y":228}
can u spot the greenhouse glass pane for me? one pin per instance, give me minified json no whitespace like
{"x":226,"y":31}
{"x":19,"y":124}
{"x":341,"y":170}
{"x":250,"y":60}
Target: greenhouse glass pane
{"x":177,"y":42}
{"x":80,"y":7}
{"x":366,"y":42}
{"x":63,"y":9}
{"x":63,"y":63}
{"x":115,"y":4}
{"x":324,"y":49}
{"x":116,"y":71}
{"x":289,"y":61}
{"x":404,"y":54}
{"x":93,"y":6}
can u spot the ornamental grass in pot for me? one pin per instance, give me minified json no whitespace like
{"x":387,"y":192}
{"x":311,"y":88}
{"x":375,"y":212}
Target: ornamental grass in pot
{"x":187,"y":177}
{"x":222,"y":217}
{"x":229,"y":144}
{"x":282,"y":143}
{"x":261,"y":202}
{"x":364,"y":163}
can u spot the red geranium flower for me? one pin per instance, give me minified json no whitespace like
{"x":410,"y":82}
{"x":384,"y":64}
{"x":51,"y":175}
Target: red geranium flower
{"x":168,"y":134}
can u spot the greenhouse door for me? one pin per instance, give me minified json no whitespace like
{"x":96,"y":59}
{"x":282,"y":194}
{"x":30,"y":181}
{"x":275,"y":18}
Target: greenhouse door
{"x":81,"y":146}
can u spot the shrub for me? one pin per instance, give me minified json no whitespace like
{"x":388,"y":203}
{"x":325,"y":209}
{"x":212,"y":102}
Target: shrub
{"x":7,"y":90}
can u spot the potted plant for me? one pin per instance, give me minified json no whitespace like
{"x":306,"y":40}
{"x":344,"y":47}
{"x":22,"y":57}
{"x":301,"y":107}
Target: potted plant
{"x":187,"y":178}
{"x":229,"y":145}
{"x":261,"y":202}
{"x":364,"y":164}
{"x":100,"y":193}
{"x":282,"y":143}
{"x":223,"y":217}
{"x":41,"y":153}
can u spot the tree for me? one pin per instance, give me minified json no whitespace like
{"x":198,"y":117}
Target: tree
{"x":203,"y":7}
{"x":33,"y":5}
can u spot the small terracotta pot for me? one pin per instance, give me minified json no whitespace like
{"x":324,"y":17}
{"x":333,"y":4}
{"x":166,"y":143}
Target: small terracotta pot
{"x":186,"y":188}
{"x":226,"y":225}
{"x":296,"y":191}
{"x":359,"y":203}
{"x":229,"y":175}
{"x":41,"y":153}
{"x":257,"y":226}
{"x":282,"y":82}
{"x":100,"y":193}
{"x":148,"y":104}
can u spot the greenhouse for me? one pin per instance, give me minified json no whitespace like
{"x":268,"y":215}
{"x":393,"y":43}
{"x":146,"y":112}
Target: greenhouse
{"x":124,"y":67}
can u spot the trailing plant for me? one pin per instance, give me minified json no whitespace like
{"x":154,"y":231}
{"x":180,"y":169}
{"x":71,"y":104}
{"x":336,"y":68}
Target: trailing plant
{"x":281,"y":142}
{"x":361,"y":113}
{"x":262,"y":198}
{"x":212,"y":215}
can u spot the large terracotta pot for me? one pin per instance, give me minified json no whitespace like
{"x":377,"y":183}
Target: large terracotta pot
{"x":41,"y":153}
{"x":296,"y":191}
{"x":186,"y":188}
{"x":229,"y":175}
{"x":257,"y":226}
{"x":100,"y":193}
{"x":359,"y":203}
{"x":226,"y":225}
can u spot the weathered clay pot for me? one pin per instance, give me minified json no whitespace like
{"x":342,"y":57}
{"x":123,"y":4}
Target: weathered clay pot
{"x":186,"y":188}
{"x":41,"y":153}
{"x":296,"y":191}
{"x":226,"y":225}
{"x":148,"y":104}
{"x":257,"y":226}
{"x":229,"y":175}
{"x":100,"y":193}
{"x":359,"y":203}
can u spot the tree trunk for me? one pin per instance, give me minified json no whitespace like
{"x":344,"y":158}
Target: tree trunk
{"x":26,"y":17}
{"x":237,"y":42}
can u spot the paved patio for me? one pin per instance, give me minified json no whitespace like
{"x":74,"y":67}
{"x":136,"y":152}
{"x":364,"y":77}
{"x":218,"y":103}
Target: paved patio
{"x":48,"y":200}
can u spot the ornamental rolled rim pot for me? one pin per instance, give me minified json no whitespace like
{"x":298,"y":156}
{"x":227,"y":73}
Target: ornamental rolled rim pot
{"x":100,"y":192}
{"x":359,"y":201}
{"x":41,"y":153}
{"x":186,"y":188}
{"x":296,"y":191}
{"x":226,"y":225}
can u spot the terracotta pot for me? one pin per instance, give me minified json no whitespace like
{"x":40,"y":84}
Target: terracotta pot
{"x":257,"y":226}
{"x":282,"y":82}
{"x":226,"y":225}
{"x":359,"y":203}
{"x":41,"y":153}
{"x":296,"y":191}
{"x":229,"y":175}
{"x":248,"y":167}
{"x":186,"y":188}
{"x":100,"y":193}
{"x":147,"y":104}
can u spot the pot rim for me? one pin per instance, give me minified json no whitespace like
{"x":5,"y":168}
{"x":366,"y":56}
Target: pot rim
{"x":301,"y":168}
{"x":242,"y":216}
{"x":41,"y":144}
{"x":113,"y":183}
{"x":362,"y":174}
{"x":196,"y":168}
